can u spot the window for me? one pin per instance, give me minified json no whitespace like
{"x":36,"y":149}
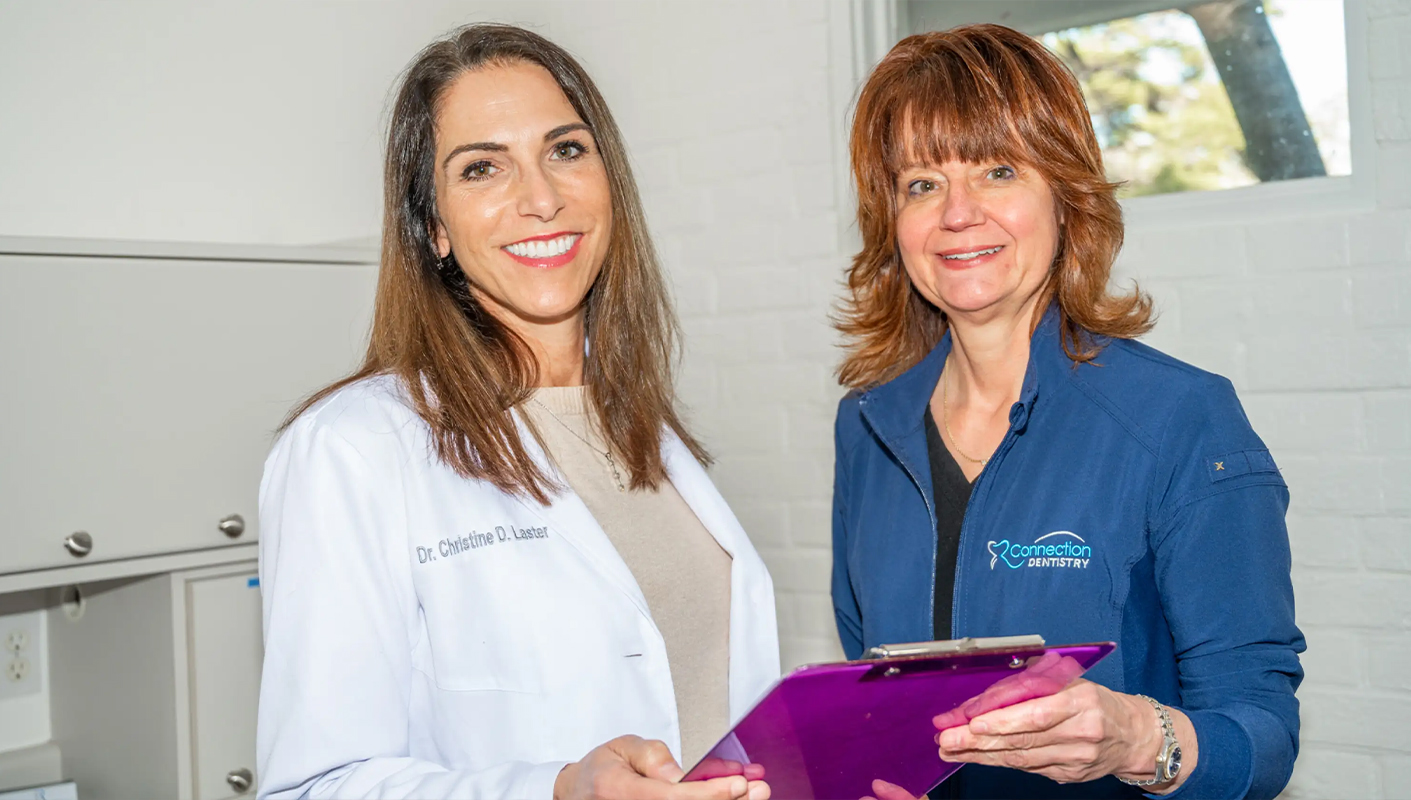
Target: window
{"x":1197,"y":97}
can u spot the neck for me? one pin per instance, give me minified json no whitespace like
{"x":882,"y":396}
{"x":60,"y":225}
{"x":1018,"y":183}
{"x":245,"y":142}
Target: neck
{"x":988,"y":358}
{"x":557,"y":344}
{"x":560,"y":356}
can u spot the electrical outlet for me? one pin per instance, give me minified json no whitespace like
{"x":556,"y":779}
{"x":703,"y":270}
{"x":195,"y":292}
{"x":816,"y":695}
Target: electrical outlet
{"x":17,"y":641}
{"x":22,"y":656}
{"x":17,"y":669}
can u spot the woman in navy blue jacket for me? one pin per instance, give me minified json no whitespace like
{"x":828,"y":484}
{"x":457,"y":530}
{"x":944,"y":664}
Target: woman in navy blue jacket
{"x":1010,"y":461}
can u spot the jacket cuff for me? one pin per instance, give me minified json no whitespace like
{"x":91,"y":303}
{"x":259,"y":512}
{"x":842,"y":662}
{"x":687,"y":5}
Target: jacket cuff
{"x":1225,"y":763}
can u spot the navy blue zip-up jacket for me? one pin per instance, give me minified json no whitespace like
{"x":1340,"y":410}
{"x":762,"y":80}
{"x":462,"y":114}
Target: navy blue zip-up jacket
{"x":1130,"y":501}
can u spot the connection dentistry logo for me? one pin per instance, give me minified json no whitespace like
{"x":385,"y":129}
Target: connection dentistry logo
{"x":1069,"y":551}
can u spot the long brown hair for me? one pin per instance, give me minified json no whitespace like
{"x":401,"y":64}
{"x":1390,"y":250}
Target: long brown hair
{"x":976,"y":93}
{"x":462,"y":369}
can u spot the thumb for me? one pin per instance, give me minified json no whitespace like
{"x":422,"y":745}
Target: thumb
{"x":651,"y":759}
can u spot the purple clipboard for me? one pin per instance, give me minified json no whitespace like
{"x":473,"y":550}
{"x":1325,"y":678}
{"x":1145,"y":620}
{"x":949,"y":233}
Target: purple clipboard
{"x":826,"y":731}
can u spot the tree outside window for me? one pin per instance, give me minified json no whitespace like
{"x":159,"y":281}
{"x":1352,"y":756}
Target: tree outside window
{"x":1203,"y":96}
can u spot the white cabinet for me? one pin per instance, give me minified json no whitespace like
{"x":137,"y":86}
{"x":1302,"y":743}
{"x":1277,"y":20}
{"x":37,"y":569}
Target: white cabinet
{"x":141,"y":391}
{"x":224,"y":650}
{"x":154,"y":688}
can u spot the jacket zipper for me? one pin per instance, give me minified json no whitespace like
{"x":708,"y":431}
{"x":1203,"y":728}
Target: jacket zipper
{"x":975,"y":496}
{"x":935,"y":545}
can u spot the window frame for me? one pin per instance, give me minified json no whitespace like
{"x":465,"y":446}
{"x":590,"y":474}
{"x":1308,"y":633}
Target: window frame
{"x":874,"y":26}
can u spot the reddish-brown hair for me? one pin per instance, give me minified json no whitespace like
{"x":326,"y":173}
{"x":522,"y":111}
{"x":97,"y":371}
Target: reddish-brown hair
{"x":978,"y":93}
{"x":464,"y":370}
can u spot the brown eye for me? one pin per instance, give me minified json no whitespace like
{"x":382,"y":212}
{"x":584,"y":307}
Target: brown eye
{"x":568,"y":151}
{"x":478,"y":171}
{"x":921,"y":186}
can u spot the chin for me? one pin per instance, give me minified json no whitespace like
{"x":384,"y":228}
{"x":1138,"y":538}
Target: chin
{"x":972,"y":303}
{"x":547,"y":312}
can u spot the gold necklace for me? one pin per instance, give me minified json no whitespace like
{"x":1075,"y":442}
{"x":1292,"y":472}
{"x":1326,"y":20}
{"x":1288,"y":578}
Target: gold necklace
{"x":945,"y":421}
{"x":612,"y":463}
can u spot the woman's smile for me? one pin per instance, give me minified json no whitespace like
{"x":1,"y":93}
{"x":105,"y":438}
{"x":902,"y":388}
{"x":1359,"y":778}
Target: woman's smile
{"x":545,"y":252}
{"x":962,"y":258}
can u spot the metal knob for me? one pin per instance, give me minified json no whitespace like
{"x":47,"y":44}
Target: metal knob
{"x":232,"y":526}
{"x":78,"y":543}
{"x":239,"y":780}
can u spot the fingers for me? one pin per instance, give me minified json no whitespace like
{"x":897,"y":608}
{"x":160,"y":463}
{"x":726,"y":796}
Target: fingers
{"x":714,"y":767}
{"x":1046,"y":675}
{"x":890,"y":791}
{"x":1066,"y":763}
{"x":1040,"y":714}
{"x":734,"y":787}
{"x":633,"y":768}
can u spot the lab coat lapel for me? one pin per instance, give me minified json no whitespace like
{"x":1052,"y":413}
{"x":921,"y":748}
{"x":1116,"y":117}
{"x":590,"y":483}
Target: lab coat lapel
{"x":754,"y":631}
{"x":696,"y":488}
{"x":568,"y":516}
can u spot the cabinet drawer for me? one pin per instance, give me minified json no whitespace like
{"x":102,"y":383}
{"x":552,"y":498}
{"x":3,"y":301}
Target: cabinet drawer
{"x":225,"y":650}
{"x":141,"y":394}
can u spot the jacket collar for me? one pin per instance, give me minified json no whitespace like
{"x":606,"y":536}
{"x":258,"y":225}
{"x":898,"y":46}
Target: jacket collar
{"x":896,"y":409}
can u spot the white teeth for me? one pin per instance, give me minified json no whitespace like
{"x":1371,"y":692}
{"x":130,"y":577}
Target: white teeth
{"x":975,"y":254}
{"x":544,"y":248}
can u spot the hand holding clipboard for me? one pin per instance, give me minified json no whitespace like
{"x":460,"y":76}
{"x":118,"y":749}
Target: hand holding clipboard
{"x":831,"y":730}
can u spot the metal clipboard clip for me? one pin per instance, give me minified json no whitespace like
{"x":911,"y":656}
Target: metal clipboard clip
{"x":954,"y":646}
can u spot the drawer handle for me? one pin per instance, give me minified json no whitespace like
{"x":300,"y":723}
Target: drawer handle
{"x":232,"y":526}
{"x":78,"y":543}
{"x":240,"y":780}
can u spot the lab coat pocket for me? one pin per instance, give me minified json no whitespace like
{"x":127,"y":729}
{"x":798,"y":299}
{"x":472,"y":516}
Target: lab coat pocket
{"x":473,"y":667}
{"x":482,"y":632}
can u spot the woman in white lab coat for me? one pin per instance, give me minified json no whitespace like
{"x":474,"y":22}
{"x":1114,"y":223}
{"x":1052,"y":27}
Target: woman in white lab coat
{"x":492,"y":562}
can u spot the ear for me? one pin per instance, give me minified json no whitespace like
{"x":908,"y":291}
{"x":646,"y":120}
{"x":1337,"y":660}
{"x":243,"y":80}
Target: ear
{"x":440,"y":239}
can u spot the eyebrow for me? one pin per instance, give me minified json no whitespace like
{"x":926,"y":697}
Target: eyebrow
{"x":496,"y":147}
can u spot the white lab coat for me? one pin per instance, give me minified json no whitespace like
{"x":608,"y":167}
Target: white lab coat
{"x":429,"y":636}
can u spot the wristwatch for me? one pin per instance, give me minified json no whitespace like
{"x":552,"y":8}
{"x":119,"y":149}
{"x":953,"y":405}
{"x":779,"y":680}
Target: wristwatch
{"x":1168,"y":759}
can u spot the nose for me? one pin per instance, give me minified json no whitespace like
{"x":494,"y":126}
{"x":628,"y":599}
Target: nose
{"x":961,"y":208}
{"x":538,"y":196}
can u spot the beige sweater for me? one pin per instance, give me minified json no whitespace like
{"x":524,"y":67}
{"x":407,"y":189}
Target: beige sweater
{"x":682,"y":571}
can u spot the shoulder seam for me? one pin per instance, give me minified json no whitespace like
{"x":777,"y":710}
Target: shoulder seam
{"x":1100,"y":400}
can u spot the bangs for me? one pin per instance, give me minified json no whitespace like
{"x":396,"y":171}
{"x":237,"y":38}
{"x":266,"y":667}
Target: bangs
{"x":973,"y":96}
{"x":940,"y":124}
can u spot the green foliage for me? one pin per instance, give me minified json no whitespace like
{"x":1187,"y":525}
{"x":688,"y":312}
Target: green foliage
{"x":1160,"y":112}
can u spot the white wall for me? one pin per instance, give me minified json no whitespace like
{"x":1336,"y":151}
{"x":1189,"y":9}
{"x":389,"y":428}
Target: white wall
{"x":729,"y":115}
{"x":254,"y":122}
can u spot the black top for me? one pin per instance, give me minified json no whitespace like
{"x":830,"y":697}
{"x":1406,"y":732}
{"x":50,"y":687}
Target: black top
{"x":952,"y":494}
